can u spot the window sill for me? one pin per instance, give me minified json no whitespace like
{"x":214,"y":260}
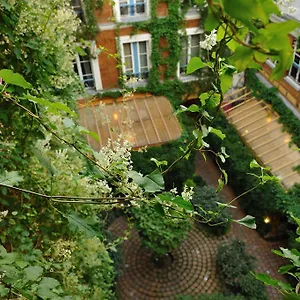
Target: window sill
{"x":192,"y":14}
{"x":134,"y":19}
{"x":290,"y":80}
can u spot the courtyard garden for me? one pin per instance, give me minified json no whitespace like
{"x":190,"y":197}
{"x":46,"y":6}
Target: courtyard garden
{"x":188,"y":218}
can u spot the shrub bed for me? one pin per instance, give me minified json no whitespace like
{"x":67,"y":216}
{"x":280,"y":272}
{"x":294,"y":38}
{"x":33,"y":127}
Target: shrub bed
{"x":207,"y":198}
{"x":235,"y":266}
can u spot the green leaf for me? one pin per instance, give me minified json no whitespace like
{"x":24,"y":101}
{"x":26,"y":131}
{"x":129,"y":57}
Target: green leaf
{"x":154,"y":182}
{"x":242,"y":58}
{"x":282,"y":28}
{"x":285,"y":286}
{"x":92,"y":134}
{"x":81,"y":225}
{"x":58,"y":106}
{"x":159,"y":162}
{"x":220,"y":185}
{"x":150,"y":183}
{"x":3,"y":291}
{"x":211,"y":21}
{"x":33,"y":272}
{"x":195,"y":64}
{"x":80,"y":51}
{"x":285,"y":269}
{"x":292,"y":255}
{"x":218,"y":133}
{"x":247,"y":221}
{"x":9,"y":258}
{"x":194,"y":108}
{"x":226,"y":81}
{"x":14,"y":78}
{"x":10,"y":178}
{"x":45,"y":288}
{"x":183,"y":203}
{"x":266,"y":279}
{"x":254,"y":164}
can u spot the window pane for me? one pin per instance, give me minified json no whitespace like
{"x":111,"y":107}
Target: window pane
{"x":140,"y":6}
{"x":183,"y":42}
{"x":86,"y":67}
{"x":127,"y":49}
{"x":143,"y":60}
{"x":128,"y":64}
{"x":195,"y":40}
{"x":195,"y":51}
{"x":143,"y":47}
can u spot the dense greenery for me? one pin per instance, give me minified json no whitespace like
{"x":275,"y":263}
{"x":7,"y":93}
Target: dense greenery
{"x":159,"y":234}
{"x":235,"y":266}
{"x":206,"y":198}
{"x":54,"y":185}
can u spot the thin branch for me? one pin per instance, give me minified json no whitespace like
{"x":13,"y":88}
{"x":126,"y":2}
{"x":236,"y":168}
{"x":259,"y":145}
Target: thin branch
{"x":88,"y":200}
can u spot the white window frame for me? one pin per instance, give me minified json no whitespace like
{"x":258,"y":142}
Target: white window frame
{"x":188,"y":32}
{"x":94,"y":67}
{"x":294,"y":55}
{"x":134,"y":18}
{"x":134,"y":39}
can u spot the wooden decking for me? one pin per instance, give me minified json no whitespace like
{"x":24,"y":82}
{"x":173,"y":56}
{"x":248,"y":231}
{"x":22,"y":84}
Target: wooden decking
{"x":258,"y":126}
{"x":143,"y":120}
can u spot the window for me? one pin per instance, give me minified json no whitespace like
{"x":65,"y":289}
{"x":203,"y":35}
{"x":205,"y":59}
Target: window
{"x":83,"y":67}
{"x":190,"y":47}
{"x":76,"y":4}
{"x":132,"y":7}
{"x":135,"y":56}
{"x":131,"y":10}
{"x":295,"y":69}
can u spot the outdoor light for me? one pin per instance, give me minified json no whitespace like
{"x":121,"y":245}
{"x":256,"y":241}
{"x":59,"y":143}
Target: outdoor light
{"x":269,"y":119}
{"x":267,"y":220}
{"x":115,"y":116}
{"x":246,"y":131}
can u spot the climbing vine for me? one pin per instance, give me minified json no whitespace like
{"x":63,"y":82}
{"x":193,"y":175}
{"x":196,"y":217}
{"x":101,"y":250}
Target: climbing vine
{"x":89,"y":26}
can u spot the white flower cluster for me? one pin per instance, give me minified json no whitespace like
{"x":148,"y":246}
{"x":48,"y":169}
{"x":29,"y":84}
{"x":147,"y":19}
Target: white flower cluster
{"x":210,"y":40}
{"x":3,"y":214}
{"x":54,"y":25}
{"x":187,"y":193}
{"x":286,"y":6}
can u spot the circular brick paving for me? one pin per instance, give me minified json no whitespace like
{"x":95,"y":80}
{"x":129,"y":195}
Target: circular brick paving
{"x":192,"y":272}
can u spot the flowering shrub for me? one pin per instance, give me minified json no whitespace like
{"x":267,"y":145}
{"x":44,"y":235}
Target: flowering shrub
{"x":161,"y":235}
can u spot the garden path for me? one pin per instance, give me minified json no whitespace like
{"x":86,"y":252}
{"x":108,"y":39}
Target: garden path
{"x":193,"y":270}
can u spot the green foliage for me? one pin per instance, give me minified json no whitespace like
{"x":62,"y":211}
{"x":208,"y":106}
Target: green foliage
{"x":89,"y":27}
{"x":270,"y":96}
{"x":161,"y":235}
{"x":235,"y":266}
{"x":206,"y":198}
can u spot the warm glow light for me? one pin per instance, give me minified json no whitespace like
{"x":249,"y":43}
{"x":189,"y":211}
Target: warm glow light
{"x":115,"y":116}
{"x":269,"y":119}
{"x":287,"y":140}
{"x":267,"y":220}
{"x":246,"y":131}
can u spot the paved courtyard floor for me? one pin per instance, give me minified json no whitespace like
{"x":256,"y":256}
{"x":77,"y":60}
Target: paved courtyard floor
{"x":193,"y":270}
